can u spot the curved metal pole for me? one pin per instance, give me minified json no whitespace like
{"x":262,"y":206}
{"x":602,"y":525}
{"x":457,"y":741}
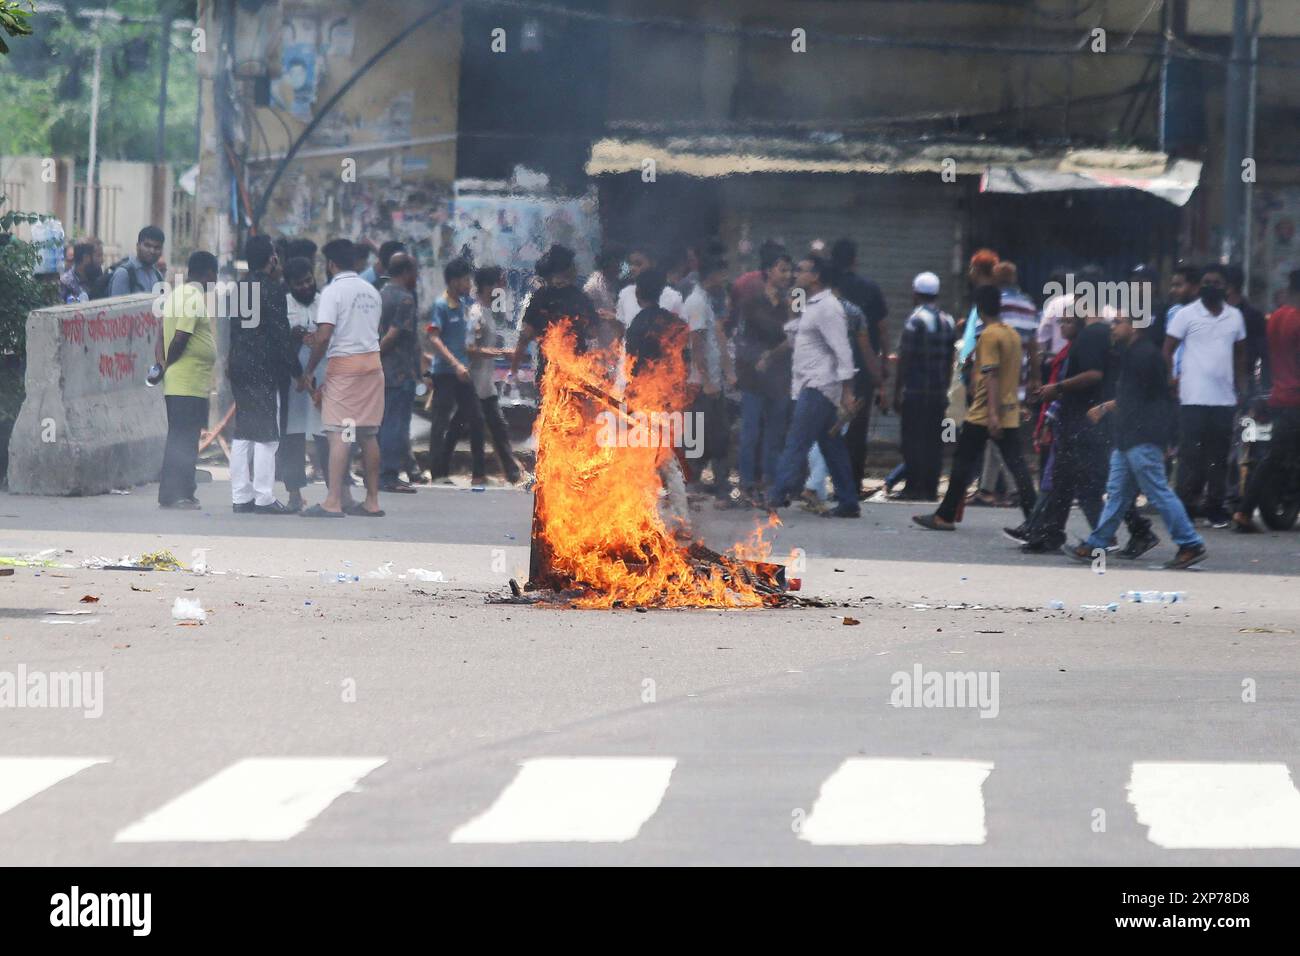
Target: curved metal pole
{"x":264,"y":199}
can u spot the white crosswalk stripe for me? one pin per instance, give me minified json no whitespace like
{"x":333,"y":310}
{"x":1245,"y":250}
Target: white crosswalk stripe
{"x":21,"y":778}
{"x":573,"y":800}
{"x":1200,"y":806}
{"x":873,"y":801}
{"x":865,"y":801}
{"x":255,"y":799}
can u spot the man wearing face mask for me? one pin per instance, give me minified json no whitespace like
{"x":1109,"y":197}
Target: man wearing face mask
{"x":1211,"y":373}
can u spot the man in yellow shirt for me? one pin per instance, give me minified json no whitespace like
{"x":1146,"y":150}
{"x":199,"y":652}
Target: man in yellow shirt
{"x":189,"y":353}
{"x":993,"y":414}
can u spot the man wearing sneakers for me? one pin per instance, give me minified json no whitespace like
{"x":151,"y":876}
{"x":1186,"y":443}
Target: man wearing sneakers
{"x":1141,"y":412}
{"x":1081,"y":447}
{"x":822,"y":389}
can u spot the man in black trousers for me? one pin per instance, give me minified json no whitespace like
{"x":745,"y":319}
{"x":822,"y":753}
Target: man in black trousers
{"x":189,"y":354}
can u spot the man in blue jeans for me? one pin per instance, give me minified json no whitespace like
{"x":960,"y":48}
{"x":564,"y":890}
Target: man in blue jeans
{"x":763,"y":373}
{"x":1142,"y":413}
{"x":822,"y":387}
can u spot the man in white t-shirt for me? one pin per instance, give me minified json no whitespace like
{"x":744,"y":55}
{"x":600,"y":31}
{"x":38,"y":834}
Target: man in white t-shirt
{"x":638,"y":261}
{"x":1212,"y":336}
{"x":352,"y":403}
{"x":1050,"y":339}
{"x":710,"y":373}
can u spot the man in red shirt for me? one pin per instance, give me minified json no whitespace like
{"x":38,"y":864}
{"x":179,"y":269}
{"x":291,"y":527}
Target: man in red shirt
{"x":1283,"y":400}
{"x":750,"y":285}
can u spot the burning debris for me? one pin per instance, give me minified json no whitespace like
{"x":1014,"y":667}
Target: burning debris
{"x":598,"y":538}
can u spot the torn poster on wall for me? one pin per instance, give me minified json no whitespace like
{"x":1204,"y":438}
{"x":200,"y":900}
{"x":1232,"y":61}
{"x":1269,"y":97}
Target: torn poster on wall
{"x":300,"y":68}
{"x":296,"y":89}
{"x":1277,"y":242}
{"x":512,"y":231}
{"x":340,"y":38}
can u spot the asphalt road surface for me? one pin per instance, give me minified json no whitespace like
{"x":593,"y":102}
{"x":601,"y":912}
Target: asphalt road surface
{"x":394,"y":720}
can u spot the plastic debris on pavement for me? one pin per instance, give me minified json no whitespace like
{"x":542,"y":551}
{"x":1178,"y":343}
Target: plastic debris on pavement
{"x":1056,"y":605}
{"x":153,"y":561}
{"x":382,"y":573}
{"x":422,"y":574}
{"x":1112,"y":607}
{"x":1155,"y":597}
{"x":338,"y":577}
{"x":161,"y":560}
{"x":41,"y":559}
{"x":199,"y":561}
{"x":188,"y":609}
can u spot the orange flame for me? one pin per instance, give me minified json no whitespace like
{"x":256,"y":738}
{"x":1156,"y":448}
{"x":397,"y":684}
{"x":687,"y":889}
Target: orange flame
{"x":756,"y":547}
{"x":597,"y":501}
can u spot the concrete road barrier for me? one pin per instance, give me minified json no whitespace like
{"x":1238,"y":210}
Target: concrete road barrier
{"x":88,"y":422}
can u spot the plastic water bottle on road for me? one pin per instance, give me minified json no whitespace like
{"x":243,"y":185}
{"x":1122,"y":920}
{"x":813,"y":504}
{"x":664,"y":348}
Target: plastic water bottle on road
{"x":1154,"y":597}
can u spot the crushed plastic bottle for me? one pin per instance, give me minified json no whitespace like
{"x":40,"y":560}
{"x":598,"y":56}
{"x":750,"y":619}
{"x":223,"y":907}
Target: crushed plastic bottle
{"x":1155,"y":597}
{"x":1112,"y":607}
{"x":1056,"y":605}
{"x":338,"y":577}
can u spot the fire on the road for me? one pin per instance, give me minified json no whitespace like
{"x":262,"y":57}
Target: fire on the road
{"x":597,"y":528}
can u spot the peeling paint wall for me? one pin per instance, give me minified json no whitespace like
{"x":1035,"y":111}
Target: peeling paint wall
{"x":380,"y":164}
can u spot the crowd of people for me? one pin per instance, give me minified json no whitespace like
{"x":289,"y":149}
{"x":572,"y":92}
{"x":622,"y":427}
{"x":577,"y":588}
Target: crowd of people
{"x":340,"y":365}
{"x":782,"y":366}
{"x":1122,"y":401}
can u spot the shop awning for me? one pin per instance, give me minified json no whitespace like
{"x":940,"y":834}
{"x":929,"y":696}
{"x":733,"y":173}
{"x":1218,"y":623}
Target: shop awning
{"x":1152,"y":173}
{"x":1002,"y":168}
{"x":712,"y":156}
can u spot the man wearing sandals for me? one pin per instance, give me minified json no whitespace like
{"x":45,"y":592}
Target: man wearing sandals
{"x":352,"y":404}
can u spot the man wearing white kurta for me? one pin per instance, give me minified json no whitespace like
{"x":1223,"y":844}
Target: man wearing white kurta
{"x":303,"y":418}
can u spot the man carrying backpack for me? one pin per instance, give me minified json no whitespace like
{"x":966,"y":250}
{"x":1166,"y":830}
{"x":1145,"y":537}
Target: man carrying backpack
{"x":140,"y":272}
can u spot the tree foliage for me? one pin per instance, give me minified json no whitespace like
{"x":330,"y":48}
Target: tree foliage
{"x":45,"y":88}
{"x":20,"y":293}
{"x":14,"y":20}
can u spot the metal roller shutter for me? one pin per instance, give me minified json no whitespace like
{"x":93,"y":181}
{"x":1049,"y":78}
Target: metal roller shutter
{"x":903,"y":224}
